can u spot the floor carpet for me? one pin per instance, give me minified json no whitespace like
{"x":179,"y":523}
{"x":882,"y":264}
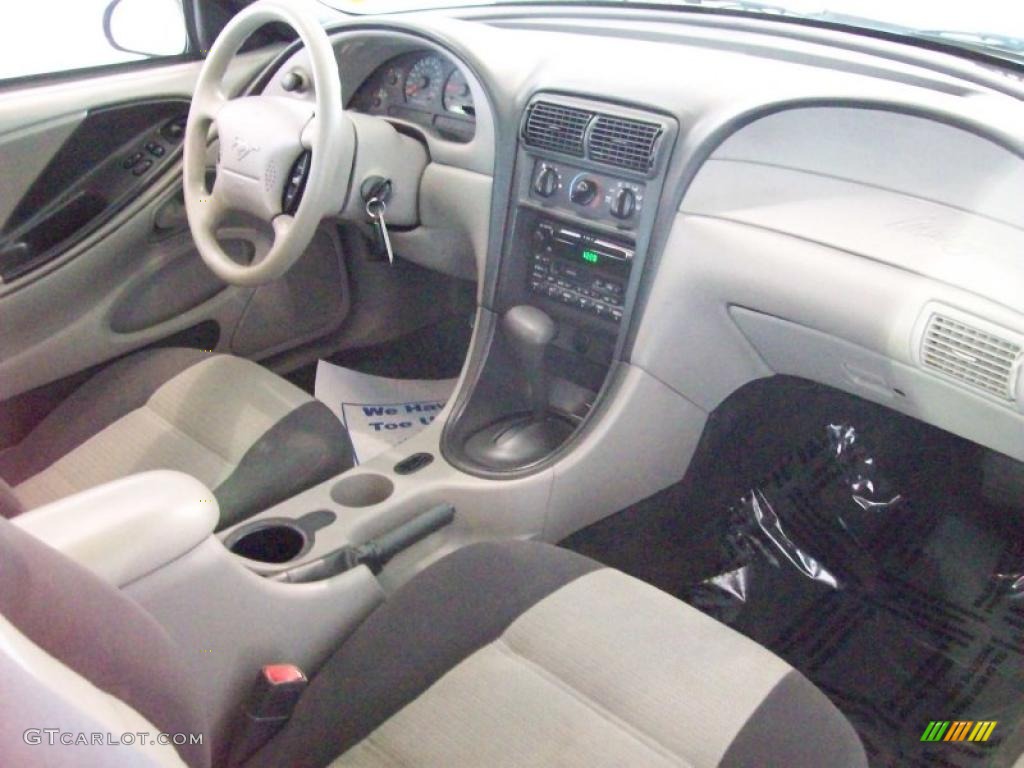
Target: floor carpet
{"x":856,"y":544}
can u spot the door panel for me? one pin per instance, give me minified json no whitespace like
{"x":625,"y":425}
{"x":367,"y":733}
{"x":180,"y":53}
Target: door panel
{"x":27,"y":152}
{"x":110,"y":157}
{"x":108,"y":265}
{"x":21,"y":107}
{"x":173,"y":289}
{"x":61,"y":322}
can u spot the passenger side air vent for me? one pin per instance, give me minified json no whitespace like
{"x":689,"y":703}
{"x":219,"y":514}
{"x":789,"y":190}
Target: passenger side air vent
{"x":959,"y":349}
{"x":556,"y":127}
{"x":623,"y":142}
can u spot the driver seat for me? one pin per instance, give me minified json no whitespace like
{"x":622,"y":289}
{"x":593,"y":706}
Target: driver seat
{"x":248,"y":434}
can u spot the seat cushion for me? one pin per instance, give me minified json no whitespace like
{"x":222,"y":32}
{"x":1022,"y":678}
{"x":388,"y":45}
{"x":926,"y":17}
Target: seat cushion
{"x":522,"y":654}
{"x":251,"y":436}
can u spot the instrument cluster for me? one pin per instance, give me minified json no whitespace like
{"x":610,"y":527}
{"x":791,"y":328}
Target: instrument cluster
{"x":424,"y":88}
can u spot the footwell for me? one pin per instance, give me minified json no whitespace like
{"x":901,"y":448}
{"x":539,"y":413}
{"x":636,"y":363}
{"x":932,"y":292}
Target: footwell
{"x":855,"y":544}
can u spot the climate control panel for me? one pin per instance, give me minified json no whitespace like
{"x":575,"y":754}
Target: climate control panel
{"x":580,"y":269}
{"x":587,"y":193}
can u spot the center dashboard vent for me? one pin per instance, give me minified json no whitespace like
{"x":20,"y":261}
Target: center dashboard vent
{"x":622,"y":142}
{"x":556,"y":127}
{"x":981,"y":359}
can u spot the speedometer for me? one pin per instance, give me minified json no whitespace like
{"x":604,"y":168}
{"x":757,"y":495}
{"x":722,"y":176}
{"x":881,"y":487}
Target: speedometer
{"x":424,"y":82}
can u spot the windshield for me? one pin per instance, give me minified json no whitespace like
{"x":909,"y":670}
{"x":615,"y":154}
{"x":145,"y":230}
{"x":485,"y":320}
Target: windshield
{"x":993,"y":26}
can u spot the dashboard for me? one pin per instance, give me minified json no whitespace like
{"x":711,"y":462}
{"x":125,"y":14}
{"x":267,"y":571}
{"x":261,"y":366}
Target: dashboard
{"x":424,"y":88}
{"x":789,"y":217}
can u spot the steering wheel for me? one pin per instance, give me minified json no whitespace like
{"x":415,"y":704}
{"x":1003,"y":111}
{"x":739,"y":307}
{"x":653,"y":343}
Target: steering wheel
{"x":264,"y":141}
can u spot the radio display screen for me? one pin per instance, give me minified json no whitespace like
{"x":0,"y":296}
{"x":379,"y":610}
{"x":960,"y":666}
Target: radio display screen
{"x":596,"y":257}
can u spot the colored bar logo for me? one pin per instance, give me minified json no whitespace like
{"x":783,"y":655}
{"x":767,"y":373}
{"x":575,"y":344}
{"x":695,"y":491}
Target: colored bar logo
{"x":959,"y":730}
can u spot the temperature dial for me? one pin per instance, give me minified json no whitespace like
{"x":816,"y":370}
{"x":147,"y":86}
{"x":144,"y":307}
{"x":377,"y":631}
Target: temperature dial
{"x":583,"y":190}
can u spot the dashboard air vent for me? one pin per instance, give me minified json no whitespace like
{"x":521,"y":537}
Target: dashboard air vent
{"x":623,"y":142}
{"x":977,"y":358}
{"x":556,"y":127}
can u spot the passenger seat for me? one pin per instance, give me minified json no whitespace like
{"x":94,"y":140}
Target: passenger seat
{"x":501,"y":654}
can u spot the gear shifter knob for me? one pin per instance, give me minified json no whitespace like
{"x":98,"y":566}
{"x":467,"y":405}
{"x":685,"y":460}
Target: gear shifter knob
{"x":529,"y":330}
{"x":529,"y":326}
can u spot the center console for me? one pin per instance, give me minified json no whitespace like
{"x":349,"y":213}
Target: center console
{"x":586,"y":186}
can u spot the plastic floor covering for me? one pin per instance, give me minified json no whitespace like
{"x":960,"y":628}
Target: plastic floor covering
{"x":856,"y":544}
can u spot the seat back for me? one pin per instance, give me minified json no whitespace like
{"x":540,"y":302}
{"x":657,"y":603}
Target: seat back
{"x":75,"y":653}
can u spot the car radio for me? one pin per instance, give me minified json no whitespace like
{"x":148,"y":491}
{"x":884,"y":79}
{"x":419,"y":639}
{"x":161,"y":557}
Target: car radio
{"x":580,"y":269}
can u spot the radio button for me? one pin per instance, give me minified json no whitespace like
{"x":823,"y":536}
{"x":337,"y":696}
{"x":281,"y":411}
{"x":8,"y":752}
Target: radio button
{"x":569,"y":270}
{"x":543,"y":236}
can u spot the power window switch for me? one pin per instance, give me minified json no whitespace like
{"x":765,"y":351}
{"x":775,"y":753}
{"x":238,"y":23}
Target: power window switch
{"x":132,"y":160}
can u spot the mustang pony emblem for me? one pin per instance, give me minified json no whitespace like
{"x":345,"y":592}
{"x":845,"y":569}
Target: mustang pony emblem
{"x":243,"y":148}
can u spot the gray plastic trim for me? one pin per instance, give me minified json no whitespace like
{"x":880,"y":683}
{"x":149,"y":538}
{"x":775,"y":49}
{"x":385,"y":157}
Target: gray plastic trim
{"x":229,"y":622}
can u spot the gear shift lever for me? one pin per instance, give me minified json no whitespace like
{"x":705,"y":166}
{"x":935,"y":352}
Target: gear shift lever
{"x":518,"y":439}
{"x":529,"y":330}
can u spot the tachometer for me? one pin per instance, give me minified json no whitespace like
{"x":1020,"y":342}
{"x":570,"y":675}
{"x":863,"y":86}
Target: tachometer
{"x":457,"y":97}
{"x":424,"y":81}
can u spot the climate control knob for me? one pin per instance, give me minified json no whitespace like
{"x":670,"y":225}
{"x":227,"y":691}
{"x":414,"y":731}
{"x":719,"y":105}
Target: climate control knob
{"x":546,"y":180}
{"x":583,"y":190}
{"x":624,"y":203}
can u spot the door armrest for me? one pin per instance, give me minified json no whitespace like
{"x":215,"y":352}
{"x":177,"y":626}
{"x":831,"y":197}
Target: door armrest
{"x":127,"y":528}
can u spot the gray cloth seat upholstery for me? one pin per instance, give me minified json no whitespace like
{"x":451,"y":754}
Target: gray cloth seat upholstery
{"x":249,"y":435}
{"x":524,"y":654}
{"x":501,"y":654}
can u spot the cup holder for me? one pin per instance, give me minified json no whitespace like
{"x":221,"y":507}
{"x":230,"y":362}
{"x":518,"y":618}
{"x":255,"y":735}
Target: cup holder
{"x":362,"y":490}
{"x":269,"y":541}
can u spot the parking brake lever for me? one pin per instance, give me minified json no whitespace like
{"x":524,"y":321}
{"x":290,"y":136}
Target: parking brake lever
{"x":375,"y":553}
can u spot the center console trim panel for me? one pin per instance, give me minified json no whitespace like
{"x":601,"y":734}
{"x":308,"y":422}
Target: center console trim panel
{"x":590,"y":213}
